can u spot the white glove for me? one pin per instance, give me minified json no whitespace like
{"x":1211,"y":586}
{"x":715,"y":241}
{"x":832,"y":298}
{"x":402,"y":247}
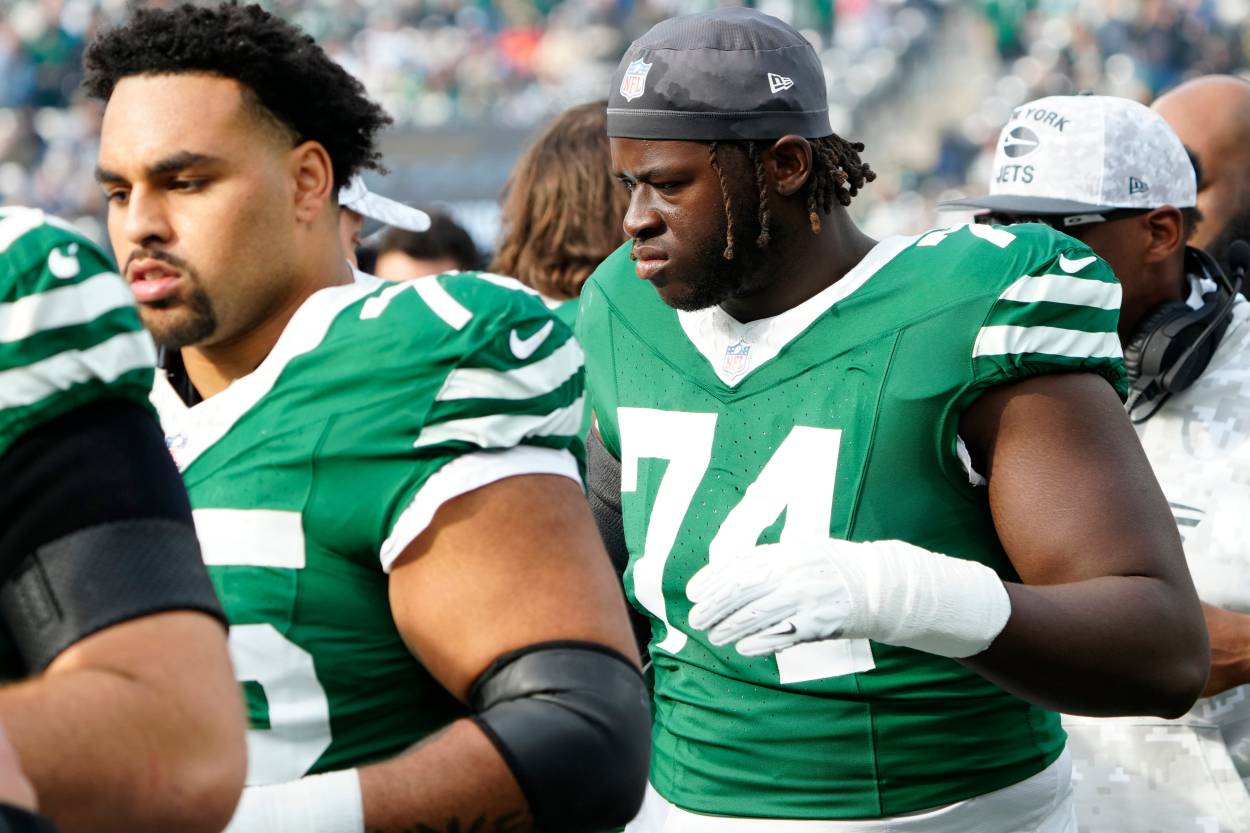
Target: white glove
{"x":328,"y":803}
{"x":775,"y":596}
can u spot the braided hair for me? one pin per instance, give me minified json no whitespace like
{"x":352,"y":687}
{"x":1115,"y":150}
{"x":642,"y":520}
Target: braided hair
{"x":837,"y":174}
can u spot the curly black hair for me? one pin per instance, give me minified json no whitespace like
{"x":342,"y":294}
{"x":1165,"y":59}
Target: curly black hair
{"x":294,"y":83}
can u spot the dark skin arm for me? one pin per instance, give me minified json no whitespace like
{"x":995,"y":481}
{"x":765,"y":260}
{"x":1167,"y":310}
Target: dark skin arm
{"x":1230,"y":649}
{"x":1106,"y":621}
{"x":511,"y":564}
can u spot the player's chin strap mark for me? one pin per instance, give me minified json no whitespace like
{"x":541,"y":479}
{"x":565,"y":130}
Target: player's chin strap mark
{"x":571,"y":720}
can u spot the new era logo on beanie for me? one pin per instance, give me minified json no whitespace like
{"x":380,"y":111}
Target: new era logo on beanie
{"x":1086,"y":153}
{"x":702,"y":77}
{"x":777,"y":83}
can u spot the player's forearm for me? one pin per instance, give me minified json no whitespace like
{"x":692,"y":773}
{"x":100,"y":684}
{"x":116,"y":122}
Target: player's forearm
{"x":107,"y":752}
{"x":1230,"y":649}
{"x":455,"y":781}
{"x":1117,"y":645}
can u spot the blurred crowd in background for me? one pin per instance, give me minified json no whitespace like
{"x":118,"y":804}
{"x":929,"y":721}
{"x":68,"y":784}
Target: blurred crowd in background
{"x":926,"y":84}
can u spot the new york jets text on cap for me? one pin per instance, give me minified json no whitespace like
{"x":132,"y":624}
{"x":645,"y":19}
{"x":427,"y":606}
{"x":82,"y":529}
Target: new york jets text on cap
{"x":723,"y":75}
{"x":1083,"y":154}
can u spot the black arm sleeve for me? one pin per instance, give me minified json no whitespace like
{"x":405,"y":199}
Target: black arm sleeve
{"x":572,"y":720}
{"x":603,"y":490}
{"x":95,"y":529}
{"x":14,"y":820}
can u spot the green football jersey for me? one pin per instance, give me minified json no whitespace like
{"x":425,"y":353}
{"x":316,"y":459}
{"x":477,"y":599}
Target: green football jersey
{"x":836,"y":418}
{"x":69,"y":330}
{"x":310,"y":476}
{"x":566,"y":311}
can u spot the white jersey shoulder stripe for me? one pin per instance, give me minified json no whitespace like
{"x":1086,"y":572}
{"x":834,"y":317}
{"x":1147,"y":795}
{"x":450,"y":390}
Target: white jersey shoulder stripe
{"x":1000,"y":340}
{"x":1064,"y":289}
{"x":251,"y":537}
{"x":504,"y":430}
{"x":63,"y":306}
{"x":15,"y":223}
{"x":463,"y":475}
{"x":440,"y":302}
{"x":106,"y":361}
{"x":534,"y":379}
{"x":515,"y":285}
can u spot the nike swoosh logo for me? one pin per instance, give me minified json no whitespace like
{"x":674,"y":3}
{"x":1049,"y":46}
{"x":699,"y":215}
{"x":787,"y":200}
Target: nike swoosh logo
{"x":1074,"y":266}
{"x":64,"y":266}
{"x":523,"y":348}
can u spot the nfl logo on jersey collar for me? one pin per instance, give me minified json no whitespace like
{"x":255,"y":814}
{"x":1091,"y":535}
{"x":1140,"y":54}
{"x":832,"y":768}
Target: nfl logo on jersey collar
{"x":634,"y":79}
{"x":737,"y":359}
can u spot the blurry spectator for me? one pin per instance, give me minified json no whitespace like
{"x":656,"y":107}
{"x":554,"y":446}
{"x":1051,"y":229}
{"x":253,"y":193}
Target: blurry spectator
{"x":1212,"y":117}
{"x":443,"y":247}
{"x":357,"y":203}
{"x":1110,"y":173}
{"x":562,"y":208}
{"x":17,"y":72}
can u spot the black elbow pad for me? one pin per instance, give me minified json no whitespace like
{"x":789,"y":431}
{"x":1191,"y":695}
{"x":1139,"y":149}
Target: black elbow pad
{"x":573,"y":723}
{"x":16,"y":820}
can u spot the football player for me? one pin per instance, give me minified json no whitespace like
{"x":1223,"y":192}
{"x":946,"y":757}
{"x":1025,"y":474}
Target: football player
{"x":126,"y":718}
{"x":881,"y":501}
{"x":384,"y":477}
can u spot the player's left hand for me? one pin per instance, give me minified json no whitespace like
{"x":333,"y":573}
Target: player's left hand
{"x":775,"y":596}
{"x":770,"y":599}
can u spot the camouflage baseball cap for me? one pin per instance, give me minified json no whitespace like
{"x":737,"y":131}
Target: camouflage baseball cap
{"x":1084,"y":154}
{"x":723,"y":75}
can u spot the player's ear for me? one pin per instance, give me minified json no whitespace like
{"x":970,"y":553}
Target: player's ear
{"x":790,"y":162}
{"x":1166,"y":233}
{"x":313,"y":175}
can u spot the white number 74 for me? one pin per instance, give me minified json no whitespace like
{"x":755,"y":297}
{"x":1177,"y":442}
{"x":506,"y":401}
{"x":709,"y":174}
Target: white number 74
{"x":798,"y":478}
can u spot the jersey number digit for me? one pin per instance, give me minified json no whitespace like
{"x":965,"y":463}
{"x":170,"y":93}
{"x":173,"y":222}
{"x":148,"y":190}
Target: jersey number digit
{"x":798,"y":479}
{"x":299,"y":713}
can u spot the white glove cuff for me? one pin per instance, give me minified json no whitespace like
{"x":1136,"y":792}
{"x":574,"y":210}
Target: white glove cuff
{"x":329,"y":803}
{"x":907,"y":596}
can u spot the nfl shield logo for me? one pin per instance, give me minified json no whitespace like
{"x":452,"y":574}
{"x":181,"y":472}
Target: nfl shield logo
{"x":737,"y":357}
{"x":635,"y":76}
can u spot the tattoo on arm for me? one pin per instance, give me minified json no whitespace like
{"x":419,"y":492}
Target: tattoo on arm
{"x":512,"y":822}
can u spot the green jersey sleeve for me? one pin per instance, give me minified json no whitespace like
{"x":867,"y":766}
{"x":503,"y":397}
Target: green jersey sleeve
{"x":510,"y":403}
{"x":69,"y":329}
{"x":1059,"y":314}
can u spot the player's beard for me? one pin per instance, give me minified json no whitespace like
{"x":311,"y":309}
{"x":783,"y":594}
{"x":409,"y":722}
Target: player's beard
{"x":1237,"y":228}
{"x":184,"y":321}
{"x":713,"y":279}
